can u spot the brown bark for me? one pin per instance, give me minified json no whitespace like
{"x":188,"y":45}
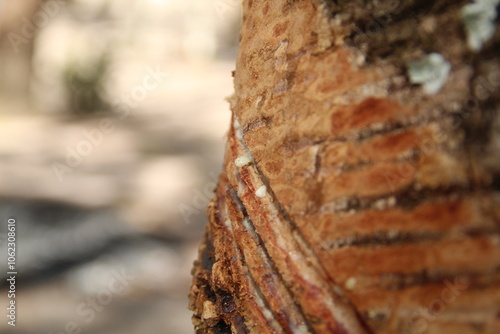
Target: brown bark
{"x":380,"y":213}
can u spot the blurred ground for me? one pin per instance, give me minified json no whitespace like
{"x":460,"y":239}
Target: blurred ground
{"x":110,"y":197}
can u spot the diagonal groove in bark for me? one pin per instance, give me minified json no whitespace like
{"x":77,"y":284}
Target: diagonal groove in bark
{"x":407,"y":198}
{"x":254,"y":288}
{"x":389,"y":127}
{"x":263,"y":271}
{"x":294,"y":259}
{"x":388,"y":238}
{"x":473,"y":279}
{"x":255,"y":305}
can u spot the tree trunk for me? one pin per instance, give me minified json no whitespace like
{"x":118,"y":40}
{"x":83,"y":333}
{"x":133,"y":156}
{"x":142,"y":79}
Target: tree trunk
{"x":360,"y":188}
{"x":18,"y":29}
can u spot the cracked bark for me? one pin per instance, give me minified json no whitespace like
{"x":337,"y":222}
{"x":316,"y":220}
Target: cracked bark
{"x":381,"y":206}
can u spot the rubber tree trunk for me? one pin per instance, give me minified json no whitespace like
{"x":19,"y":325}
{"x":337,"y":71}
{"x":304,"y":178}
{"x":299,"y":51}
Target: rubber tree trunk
{"x":360,"y":188}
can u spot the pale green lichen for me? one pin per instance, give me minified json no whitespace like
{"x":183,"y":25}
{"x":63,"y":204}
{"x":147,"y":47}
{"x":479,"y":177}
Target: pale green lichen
{"x":431,"y":72}
{"x":479,"y":19}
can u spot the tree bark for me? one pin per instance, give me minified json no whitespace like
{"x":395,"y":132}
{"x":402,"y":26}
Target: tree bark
{"x":360,"y":188}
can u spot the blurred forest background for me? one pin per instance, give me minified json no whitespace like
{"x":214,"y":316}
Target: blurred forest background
{"x":112,"y":125}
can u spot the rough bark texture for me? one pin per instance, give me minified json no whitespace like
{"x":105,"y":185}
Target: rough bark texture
{"x":380,"y":213}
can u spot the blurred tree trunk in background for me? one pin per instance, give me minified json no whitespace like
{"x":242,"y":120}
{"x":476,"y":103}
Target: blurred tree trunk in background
{"x":18,"y":29}
{"x":360,"y":189}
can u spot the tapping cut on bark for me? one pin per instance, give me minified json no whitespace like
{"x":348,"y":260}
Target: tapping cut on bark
{"x":361,"y":182}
